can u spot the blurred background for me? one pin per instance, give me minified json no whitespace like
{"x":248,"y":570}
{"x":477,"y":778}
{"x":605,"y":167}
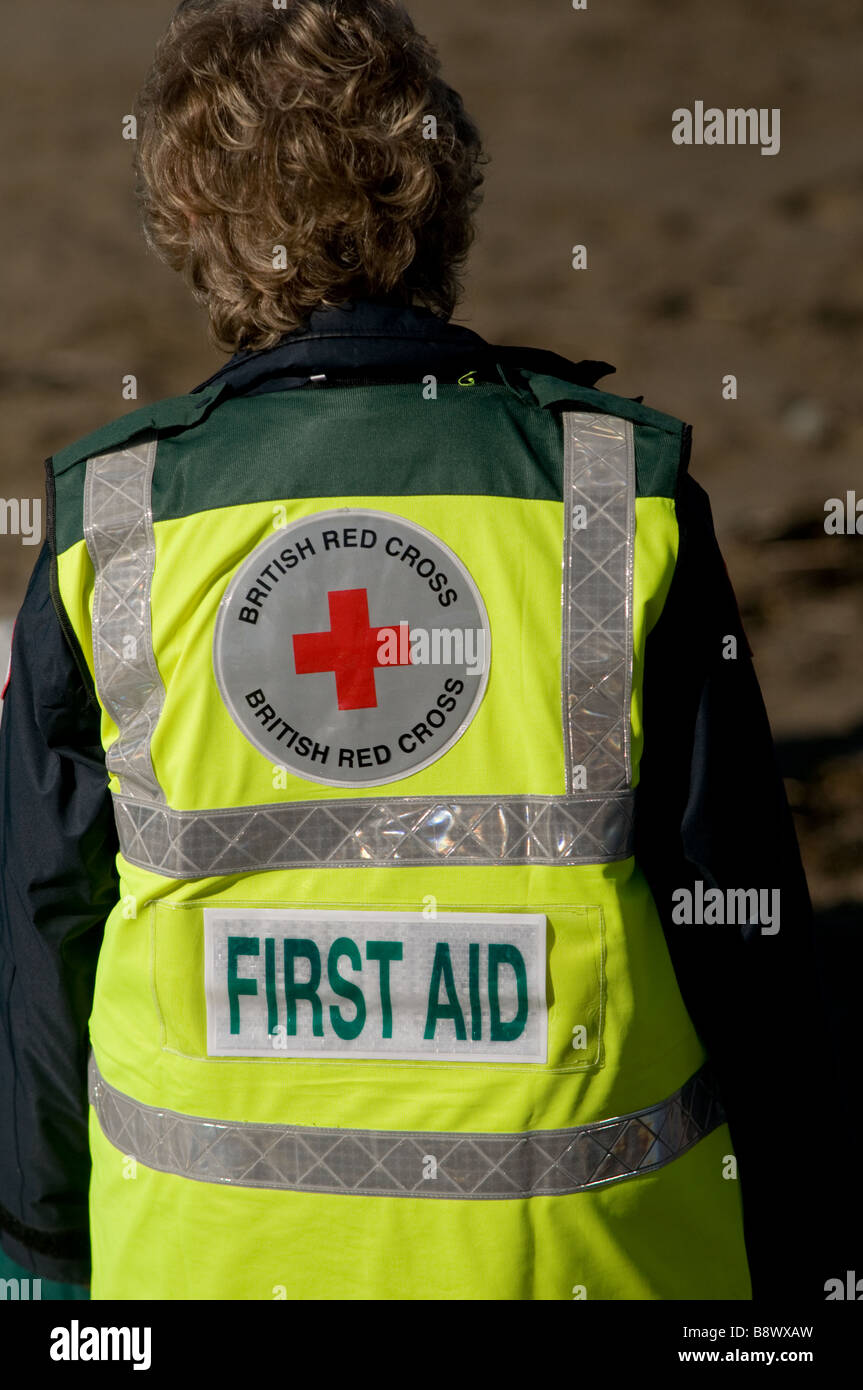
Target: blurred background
{"x":702,"y":261}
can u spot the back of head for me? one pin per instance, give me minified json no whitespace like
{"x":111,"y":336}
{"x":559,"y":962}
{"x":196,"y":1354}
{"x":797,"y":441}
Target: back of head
{"x":295,"y":157}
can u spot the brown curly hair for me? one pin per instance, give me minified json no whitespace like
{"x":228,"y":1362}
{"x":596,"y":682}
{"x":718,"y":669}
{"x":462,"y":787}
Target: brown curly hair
{"x":304,"y":128}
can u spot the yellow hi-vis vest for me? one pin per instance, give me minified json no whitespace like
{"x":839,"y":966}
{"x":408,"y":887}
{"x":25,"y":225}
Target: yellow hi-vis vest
{"x":384,"y":1009}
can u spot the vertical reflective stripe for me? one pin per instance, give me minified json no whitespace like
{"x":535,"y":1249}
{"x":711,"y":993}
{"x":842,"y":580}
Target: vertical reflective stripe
{"x":118,"y":526}
{"x":599,"y":549}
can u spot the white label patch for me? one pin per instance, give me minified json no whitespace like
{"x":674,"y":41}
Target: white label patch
{"x":465,"y":986}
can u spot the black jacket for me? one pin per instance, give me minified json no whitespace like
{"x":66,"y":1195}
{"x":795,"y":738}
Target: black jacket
{"x":710,"y":806}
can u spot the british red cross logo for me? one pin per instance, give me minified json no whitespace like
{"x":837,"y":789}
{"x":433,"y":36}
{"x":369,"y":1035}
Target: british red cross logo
{"x":350,"y":649}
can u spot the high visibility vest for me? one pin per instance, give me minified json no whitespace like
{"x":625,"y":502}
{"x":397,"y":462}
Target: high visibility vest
{"x":384,"y":1009}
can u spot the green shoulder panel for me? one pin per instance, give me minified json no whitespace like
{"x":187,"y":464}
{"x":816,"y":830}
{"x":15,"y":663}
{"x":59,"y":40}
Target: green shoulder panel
{"x":66,"y":471}
{"x":176,"y":412}
{"x":314,"y":443}
{"x":662,"y":442}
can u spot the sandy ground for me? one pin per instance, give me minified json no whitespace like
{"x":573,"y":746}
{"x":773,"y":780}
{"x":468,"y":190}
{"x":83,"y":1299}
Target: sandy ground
{"x":702,"y":261}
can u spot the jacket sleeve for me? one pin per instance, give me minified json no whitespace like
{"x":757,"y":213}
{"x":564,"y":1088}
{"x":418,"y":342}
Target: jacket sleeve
{"x":711,"y":806}
{"x":57,"y":849}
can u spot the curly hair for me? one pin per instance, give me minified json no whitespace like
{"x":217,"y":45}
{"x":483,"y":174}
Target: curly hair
{"x":301,"y":156}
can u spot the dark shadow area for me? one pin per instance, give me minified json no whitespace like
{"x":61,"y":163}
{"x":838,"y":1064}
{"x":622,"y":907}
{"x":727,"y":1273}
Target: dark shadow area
{"x":802,"y":758}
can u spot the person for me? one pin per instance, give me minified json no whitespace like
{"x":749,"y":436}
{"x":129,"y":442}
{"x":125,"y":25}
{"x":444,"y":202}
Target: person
{"x":375,"y":711}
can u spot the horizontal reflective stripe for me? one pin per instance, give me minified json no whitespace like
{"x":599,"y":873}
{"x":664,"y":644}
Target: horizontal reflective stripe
{"x":406,"y":831}
{"x":374,"y":1163}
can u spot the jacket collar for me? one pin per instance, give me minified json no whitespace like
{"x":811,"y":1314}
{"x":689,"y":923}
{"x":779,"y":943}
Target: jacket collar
{"x":377,"y":337}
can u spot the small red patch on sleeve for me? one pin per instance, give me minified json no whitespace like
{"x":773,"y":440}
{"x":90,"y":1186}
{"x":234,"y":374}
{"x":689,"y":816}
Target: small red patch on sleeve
{"x":8,"y":668}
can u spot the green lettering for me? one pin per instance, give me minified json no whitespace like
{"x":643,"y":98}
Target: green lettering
{"x":384,"y":952}
{"x":351,"y":1028}
{"x":240,"y":946}
{"x":270,"y":981}
{"x":503,"y":954}
{"x":473,"y":982}
{"x":442,"y":972}
{"x":295,"y":948}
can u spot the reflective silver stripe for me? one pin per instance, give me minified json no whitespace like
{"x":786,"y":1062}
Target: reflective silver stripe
{"x":599,"y":548}
{"x":406,"y":831}
{"x":592,"y":826}
{"x":377,"y":1163}
{"x":118,"y":526}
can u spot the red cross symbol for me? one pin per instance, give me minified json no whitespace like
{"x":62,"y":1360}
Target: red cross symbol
{"x":350,"y":649}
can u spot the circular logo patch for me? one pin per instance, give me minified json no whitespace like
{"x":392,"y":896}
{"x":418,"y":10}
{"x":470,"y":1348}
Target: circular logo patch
{"x":352,"y":648}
